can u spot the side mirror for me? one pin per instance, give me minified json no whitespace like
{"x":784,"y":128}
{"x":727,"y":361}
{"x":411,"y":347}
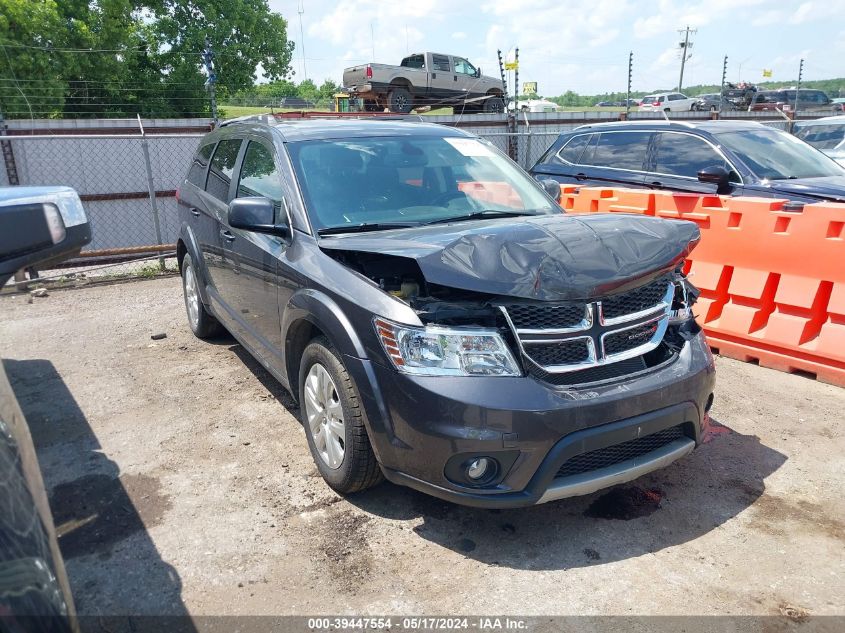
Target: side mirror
{"x":257,"y":215}
{"x":552,"y":188}
{"x":718,"y":176}
{"x":478,"y":72}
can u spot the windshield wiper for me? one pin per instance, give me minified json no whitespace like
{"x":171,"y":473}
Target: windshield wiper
{"x":487,"y":213}
{"x":362,"y":228}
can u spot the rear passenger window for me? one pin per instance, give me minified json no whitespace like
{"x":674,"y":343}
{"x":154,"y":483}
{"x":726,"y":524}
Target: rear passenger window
{"x":222,"y":166}
{"x":686,"y":155}
{"x":196,"y":174}
{"x":441,"y":63}
{"x":259,"y":176}
{"x":571,"y":152}
{"x":619,"y":150}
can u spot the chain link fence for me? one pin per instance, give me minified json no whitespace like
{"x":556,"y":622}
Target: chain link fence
{"x":128,"y":186}
{"x":128,"y":182}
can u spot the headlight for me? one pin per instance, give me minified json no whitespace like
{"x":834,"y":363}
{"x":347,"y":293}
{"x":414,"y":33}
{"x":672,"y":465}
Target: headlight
{"x":440,"y":351}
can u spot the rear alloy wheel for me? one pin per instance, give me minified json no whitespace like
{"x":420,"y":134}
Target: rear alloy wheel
{"x":494,"y":105}
{"x":400,"y":100}
{"x":334,"y":421}
{"x":202,"y":324}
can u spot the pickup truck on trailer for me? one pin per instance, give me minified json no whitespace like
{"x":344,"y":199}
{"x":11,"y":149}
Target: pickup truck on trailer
{"x":425,"y":79}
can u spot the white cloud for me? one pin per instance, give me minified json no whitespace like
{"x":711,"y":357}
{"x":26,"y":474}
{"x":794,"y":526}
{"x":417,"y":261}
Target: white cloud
{"x":579,"y":45}
{"x":802,"y":13}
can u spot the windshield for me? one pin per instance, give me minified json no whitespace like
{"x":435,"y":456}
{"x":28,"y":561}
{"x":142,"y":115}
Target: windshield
{"x":829,"y":136}
{"x":776,"y":155}
{"x":384,"y":182}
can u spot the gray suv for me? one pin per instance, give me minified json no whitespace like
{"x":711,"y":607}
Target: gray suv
{"x":439,"y":319}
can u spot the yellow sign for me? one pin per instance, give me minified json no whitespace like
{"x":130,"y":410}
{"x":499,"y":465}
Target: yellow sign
{"x":767,"y":72}
{"x":511,"y":65}
{"x":529,"y":87}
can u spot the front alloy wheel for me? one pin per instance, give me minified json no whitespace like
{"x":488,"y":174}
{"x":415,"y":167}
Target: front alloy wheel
{"x":324,"y":415}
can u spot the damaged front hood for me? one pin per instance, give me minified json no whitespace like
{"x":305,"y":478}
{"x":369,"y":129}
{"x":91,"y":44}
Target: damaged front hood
{"x":550,"y":257}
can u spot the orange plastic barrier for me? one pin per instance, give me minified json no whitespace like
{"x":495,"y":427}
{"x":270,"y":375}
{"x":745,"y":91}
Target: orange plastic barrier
{"x":772,"y":281}
{"x":492,"y":192}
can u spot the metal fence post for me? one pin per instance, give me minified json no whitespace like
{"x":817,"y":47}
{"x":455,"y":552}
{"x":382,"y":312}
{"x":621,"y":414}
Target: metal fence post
{"x":527,"y":164}
{"x":151,"y":185}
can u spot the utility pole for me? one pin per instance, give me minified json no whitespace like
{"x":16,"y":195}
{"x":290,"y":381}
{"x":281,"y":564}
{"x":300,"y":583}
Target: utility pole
{"x":300,"y":9}
{"x":798,"y":89}
{"x":722,"y":89}
{"x":685,"y":47}
{"x":208,"y":60}
{"x":630,"y":73}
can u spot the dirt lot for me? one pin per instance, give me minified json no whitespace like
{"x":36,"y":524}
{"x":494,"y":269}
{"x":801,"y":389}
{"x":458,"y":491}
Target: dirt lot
{"x":181,"y":481}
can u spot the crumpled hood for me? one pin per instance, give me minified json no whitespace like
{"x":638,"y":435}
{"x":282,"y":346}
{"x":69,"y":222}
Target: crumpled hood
{"x":823,"y":187}
{"x":551,"y":257}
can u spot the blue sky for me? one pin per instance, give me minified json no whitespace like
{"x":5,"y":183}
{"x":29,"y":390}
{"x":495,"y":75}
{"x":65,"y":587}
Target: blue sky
{"x":579,"y":45}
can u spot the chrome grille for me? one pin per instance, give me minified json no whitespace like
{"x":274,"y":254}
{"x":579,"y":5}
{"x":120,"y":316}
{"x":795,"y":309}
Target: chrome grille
{"x":546,"y":317}
{"x":574,"y":350}
{"x":566,"y":337}
{"x":625,"y":340}
{"x":634,"y":301}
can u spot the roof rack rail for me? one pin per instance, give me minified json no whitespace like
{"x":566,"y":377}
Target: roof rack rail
{"x":290,"y":117}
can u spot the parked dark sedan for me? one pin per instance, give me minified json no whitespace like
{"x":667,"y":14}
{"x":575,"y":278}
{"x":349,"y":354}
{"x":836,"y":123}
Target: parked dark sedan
{"x":726,"y":157}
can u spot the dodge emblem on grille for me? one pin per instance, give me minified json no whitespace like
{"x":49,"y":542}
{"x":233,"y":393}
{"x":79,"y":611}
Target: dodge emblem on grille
{"x":641,"y":334}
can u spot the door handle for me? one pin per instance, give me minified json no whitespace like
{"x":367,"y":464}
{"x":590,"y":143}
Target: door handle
{"x":580,"y":176}
{"x":656,"y":183}
{"x":195,"y":212}
{"x":226,"y":235}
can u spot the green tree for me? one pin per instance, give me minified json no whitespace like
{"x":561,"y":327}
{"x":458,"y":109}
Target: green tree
{"x":243,"y":34}
{"x":31,"y":78}
{"x":121,"y":57}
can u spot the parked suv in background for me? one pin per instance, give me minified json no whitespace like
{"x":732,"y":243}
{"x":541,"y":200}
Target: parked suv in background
{"x":726,"y":157}
{"x":808,"y":100}
{"x":667,"y":102}
{"x":826,"y":134}
{"x":438,"y":317}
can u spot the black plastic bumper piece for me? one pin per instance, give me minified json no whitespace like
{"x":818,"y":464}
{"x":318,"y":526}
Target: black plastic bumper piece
{"x":595,"y":438}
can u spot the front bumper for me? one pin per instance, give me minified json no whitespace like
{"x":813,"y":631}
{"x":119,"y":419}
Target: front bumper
{"x":417,"y":424}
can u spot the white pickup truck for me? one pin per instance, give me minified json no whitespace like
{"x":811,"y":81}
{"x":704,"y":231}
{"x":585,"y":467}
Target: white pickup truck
{"x":425,"y":79}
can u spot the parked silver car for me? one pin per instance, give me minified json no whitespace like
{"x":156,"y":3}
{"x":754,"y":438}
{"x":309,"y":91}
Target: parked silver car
{"x":826,"y":134}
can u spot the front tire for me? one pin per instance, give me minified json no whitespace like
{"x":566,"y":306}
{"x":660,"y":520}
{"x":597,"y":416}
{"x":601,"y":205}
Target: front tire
{"x":494,"y":105}
{"x":201,"y":322}
{"x":334,"y":421}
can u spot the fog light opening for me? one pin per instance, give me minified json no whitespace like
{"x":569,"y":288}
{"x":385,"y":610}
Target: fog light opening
{"x":709,"y":403}
{"x":478,"y":468}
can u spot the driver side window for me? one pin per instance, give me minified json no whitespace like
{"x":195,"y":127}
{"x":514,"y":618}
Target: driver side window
{"x":259,"y":176}
{"x":463,"y":67}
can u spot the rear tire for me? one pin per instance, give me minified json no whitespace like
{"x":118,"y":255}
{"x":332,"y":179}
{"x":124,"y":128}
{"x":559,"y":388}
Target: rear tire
{"x":400,"y":100}
{"x":494,"y":105}
{"x":201,"y":322}
{"x":334,"y":421}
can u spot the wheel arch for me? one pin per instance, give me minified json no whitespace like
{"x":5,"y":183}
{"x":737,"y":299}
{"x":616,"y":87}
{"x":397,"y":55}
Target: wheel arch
{"x":308,"y":315}
{"x":401,"y":82}
{"x":187,"y":244}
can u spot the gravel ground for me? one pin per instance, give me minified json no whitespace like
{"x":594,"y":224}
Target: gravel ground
{"x":181,"y":481}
